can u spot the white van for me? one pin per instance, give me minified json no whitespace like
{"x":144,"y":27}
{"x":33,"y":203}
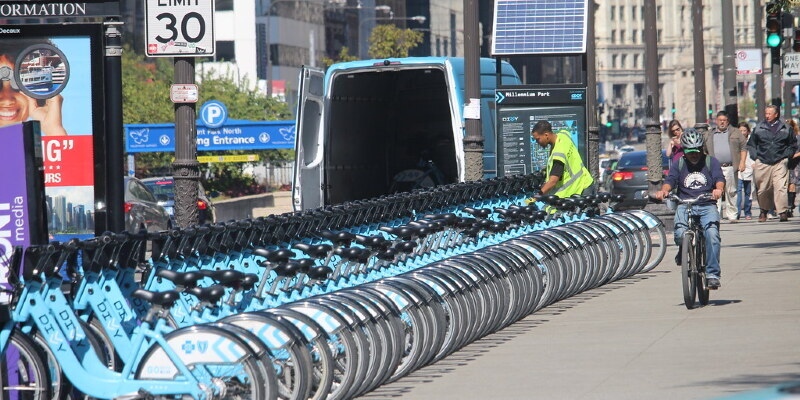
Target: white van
{"x":373,"y":127}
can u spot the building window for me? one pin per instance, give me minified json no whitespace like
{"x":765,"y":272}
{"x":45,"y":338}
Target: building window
{"x":633,"y":13}
{"x":614,"y":61}
{"x":613,"y":36}
{"x":660,"y":61}
{"x":658,"y":35}
{"x":613,"y":11}
{"x":622,"y":61}
{"x":635,"y":61}
{"x":225,"y":51}
{"x":658,"y":13}
{"x":633,"y":36}
{"x":622,"y":36}
{"x":745,"y":15}
{"x":619,"y":91}
{"x":445,"y":45}
{"x":738,"y":13}
{"x":638,"y":89}
{"x":224,"y":5}
{"x":621,"y":13}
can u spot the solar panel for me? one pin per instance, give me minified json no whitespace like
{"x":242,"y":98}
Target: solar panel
{"x":539,"y":27}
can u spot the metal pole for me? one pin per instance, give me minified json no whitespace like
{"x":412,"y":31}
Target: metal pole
{"x":591,"y":95}
{"x":113,"y":127}
{"x":269,"y":49}
{"x":729,"y":63}
{"x":758,"y":17}
{"x":701,"y":118}
{"x":699,"y":63}
{"x":473,"y":140}
{"x":653,"y":104}
{"x":186,"y":169}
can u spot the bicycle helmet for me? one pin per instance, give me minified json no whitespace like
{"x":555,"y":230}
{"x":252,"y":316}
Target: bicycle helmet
{"x":692,"y":139}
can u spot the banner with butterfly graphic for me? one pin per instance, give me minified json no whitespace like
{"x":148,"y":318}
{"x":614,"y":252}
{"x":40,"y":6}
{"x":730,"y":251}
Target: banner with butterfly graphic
{"x":234,"y":135}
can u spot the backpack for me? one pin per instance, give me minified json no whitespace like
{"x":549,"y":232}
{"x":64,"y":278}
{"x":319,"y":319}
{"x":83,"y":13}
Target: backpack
{"x":682,"y":162}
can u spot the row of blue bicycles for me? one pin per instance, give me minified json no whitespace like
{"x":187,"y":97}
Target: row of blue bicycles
{"x":324,"y":304}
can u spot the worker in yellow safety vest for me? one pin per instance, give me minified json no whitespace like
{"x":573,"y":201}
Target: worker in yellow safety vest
{"x":565,"y":175}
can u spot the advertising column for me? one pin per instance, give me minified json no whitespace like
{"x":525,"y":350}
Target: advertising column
{"x":50,"y":74}
{"x":21,"y":206}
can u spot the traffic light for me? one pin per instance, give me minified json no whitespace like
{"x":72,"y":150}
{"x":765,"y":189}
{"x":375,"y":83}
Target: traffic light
{"x":674,"y":110}
{"x":796,"y":44}
{"x":774,"y":25}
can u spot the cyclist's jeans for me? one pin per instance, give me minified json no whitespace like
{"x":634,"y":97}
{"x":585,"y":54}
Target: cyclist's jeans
{"x":709,"y":219}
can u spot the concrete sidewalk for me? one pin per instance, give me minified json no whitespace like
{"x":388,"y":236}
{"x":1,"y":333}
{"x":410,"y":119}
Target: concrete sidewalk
{"x":635,"y":339}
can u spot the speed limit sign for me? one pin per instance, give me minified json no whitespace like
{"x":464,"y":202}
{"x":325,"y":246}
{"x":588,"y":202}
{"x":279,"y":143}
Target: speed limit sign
{"x":179,"y":28}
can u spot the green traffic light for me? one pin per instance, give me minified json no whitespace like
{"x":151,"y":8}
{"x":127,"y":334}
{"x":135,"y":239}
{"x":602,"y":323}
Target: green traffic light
{"x":609,"y":124}
{"x":674,"y":111}
{"x":774,"y":40}
{"x":710,"y":112}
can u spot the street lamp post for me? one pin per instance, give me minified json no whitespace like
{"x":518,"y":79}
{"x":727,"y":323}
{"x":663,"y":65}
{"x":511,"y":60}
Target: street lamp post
{"x":269,"y":27}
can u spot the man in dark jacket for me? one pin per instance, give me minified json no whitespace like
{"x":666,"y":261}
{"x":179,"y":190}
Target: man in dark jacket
{"x":771,"y":145}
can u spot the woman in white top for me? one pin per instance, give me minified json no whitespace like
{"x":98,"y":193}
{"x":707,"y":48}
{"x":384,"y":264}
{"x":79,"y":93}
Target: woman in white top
{"x":744,"y":200}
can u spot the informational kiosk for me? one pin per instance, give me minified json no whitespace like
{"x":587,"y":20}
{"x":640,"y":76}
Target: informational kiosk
{"x":519,"y":109}
{"x":548,"y":28}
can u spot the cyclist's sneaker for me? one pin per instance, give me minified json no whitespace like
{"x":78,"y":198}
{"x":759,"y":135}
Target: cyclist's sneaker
{"x":678,"y":258}
{"x":713,"y":283}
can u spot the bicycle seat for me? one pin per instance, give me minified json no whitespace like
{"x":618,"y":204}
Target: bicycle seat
{"x":550,"y":199}
{"x":185,"y":279}
{"x":604,"y":197}
{"x":402,"y":232}
{"x":164,"y":299}
{"x":350,"y":254}
{"x":319,"y":272}
{"x":291,"y":268}
{"x":372,"y":242}
{"x":338,"y":238}
{"x":249,"y":281}
{"x":405,"y":247}
{"x":478,"y":213}
{"x":305,"y":264}
{"x":226,"y":277}
{"x":618,"y":197}
{"x":314,"y":251}
{"x":210,"y":294}
{"x":387,"y":255}
{"x":278,"y":256}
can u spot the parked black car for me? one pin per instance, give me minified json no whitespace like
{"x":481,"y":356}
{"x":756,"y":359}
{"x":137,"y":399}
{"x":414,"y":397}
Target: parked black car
{"x":142,"y":211}
{"x":164,"y":189}
{"x":630,"y":178}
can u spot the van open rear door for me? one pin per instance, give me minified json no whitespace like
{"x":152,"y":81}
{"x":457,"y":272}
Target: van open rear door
{"x":308,"y":168}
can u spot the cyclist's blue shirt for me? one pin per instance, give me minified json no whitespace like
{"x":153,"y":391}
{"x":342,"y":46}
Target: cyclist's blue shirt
{"x":693,"y":180}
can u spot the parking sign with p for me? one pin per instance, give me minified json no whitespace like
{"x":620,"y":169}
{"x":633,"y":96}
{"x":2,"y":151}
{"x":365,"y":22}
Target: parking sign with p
{"x":213,"y":114}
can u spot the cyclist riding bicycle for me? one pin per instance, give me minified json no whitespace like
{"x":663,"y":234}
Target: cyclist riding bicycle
{"x":695,"y":174}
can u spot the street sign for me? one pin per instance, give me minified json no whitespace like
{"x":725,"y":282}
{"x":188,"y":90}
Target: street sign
{"x":186,"y":93}
{"x":749,"y":61}
{"x":227,"y":159}
{"x":791,"y":67}
{"x":179,"y":28}
{"x":213,"y":114}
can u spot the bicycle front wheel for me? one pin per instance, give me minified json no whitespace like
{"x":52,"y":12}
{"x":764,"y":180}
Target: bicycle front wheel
{"x":24,"y":373}
{"x":688,"y":269}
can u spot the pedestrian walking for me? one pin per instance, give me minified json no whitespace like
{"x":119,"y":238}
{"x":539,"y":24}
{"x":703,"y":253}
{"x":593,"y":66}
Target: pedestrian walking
{"x":744,"y":199}
{"x":726,"y":144}
{"x":771,"y":145}
{"x":674,"y":148}
{"x":794,"y":168}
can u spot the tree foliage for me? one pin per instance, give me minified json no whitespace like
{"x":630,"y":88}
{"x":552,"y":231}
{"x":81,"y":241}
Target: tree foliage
{"x":145,"y":91}
{"x":747,"y":109}
{"x":388,"y":41}
{"x":344,"y":56}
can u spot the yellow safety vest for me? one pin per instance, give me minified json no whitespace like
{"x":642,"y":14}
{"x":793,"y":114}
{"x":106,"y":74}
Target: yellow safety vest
{"x":576,"y":177}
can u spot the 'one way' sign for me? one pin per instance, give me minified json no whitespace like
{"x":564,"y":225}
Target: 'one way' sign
{"x":791,"y":67}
